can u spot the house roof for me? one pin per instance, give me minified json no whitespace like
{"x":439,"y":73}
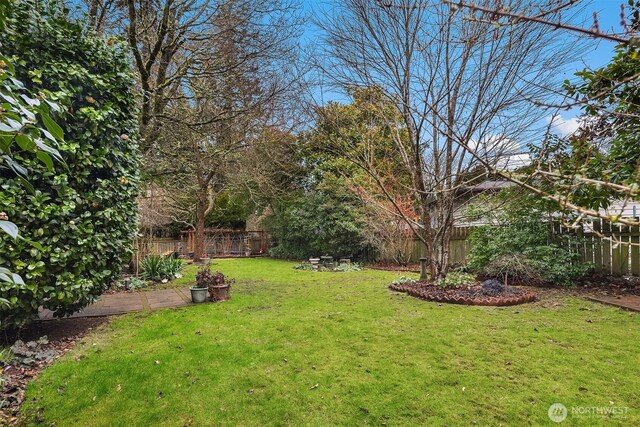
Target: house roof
{"x":490,"y":185}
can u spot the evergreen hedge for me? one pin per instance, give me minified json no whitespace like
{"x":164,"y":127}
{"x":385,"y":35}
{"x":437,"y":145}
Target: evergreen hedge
{"x":82,"y":213}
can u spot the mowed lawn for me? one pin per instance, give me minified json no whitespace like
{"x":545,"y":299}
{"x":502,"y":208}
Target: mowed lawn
{"x":306,"y":348}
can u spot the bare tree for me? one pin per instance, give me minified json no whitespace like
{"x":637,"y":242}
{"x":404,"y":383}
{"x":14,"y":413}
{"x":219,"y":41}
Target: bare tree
{"x":459,"y":85}
{"x":229,"y":109}
{"x":175,"y":41}
{"x":592,"y":172}
{"x":502,"y":14}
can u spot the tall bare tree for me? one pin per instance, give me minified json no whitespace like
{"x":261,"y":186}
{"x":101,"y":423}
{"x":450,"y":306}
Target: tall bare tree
{"x":247,"y":79}
{"x":458,"y":82}
{"x":595,"y":171}
{"x":174,"y":42}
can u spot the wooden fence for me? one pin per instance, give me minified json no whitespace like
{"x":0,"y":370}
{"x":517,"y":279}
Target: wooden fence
{"x":459,"y":247}
{"x":228,"y":243}
{"x":218,"y":243}
{"x":162,"y":246}
{"x":612,"y":248}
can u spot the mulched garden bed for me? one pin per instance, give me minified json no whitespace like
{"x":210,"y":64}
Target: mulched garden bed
{"x":604,"y":284}
{"x":35,"y":348}
{"x":467,"y":295}
{"x":390,"y":266}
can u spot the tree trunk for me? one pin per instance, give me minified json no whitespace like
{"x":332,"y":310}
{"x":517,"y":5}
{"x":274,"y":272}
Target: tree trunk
{"x":199,"y":234}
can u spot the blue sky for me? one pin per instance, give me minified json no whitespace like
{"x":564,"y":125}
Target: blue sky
{"x":599,"y":53}
{"x":608,"y":14}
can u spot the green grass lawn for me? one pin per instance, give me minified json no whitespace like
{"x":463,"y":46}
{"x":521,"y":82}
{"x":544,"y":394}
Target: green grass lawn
{"x":306,"y":348}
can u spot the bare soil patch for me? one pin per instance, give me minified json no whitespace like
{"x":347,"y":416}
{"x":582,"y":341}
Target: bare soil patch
{"x":33,"y":349}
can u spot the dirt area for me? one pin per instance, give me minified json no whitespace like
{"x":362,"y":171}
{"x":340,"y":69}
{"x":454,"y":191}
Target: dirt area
{"x":610,"y":285}
{"x":33,"y":349}
{"x":390,"y":266}
{"x":594,"y":284}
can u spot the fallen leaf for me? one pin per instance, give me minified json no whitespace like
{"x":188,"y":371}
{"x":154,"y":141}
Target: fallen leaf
{"x":118,"y":387}
{"x":315,"y":386}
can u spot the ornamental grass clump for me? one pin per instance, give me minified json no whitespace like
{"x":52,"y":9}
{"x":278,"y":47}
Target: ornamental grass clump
{"x":158,"y":268}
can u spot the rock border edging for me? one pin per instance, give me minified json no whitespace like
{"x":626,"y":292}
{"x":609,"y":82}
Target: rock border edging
{"x":424,"y":294}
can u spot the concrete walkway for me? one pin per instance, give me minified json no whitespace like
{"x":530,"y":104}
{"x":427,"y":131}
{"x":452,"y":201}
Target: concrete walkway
{"x":627,"y":302}
{"x":110,"y":304}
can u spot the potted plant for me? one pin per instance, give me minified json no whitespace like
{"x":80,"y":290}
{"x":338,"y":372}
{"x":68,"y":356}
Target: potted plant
{"x":220,"y":287}
{"x":199,"y":291}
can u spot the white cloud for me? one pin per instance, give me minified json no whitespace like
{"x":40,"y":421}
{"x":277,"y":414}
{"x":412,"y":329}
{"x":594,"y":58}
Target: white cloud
{"x":514,"y":161}
{"x":563,"y":126}
{"x":501,"y":151}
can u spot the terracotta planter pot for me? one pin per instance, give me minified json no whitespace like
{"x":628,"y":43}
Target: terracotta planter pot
{"x":220,"y":292}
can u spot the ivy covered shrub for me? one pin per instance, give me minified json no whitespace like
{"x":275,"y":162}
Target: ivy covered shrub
{"x":518,"y":245}
{"x":83,"y":212}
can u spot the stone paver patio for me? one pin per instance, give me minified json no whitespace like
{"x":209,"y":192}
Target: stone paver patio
{"x":121,"y":303}
{"x":627,"y":302}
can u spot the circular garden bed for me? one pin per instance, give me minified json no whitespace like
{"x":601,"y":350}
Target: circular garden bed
{"x":478,"y":294}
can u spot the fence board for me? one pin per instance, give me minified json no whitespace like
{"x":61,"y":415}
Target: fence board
{"x":593,"y":244}
{"x":606,"y":247}
{"x":634,"y":251}
{"x":588,"y":248}
{"x":597,"y":244}
{"x":616,"y":253}
{"x":624,"y":250}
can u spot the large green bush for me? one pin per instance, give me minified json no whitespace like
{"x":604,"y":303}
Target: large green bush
{"x":83,"y":214}
{"x":519,"y":245}
{"x":323,"y":221}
